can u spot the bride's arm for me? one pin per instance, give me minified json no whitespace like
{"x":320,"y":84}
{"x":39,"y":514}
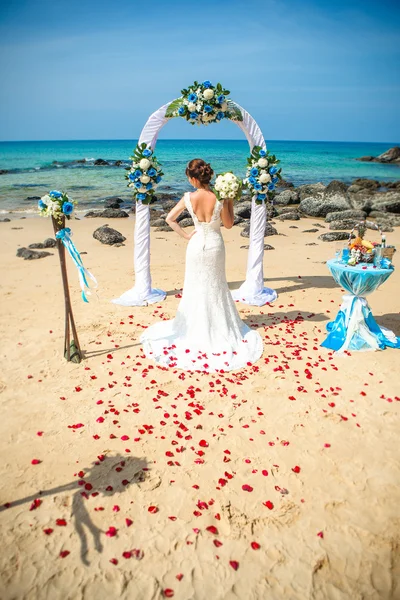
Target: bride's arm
{"x":172,"y":222}
{"x":227,"y":216}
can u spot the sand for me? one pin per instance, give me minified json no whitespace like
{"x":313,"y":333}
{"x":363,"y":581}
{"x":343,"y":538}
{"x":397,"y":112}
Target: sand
{"x":281,"y":481}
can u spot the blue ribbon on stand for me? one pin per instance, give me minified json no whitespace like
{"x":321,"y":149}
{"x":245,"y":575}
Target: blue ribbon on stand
{"x":65,"y":236}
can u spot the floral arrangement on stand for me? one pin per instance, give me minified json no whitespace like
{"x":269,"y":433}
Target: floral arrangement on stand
{"x":204,"y":103}
{"x":227,"y":185}
{"x":57,"y":205}
{"x":144,"y":174}
{"x":262,"y":174}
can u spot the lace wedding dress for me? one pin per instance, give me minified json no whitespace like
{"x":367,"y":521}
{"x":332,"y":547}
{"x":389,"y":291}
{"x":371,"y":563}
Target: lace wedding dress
{"x":207,"y":333}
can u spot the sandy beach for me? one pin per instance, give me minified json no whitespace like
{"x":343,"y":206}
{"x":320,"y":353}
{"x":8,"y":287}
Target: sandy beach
{"x":280,"y":481}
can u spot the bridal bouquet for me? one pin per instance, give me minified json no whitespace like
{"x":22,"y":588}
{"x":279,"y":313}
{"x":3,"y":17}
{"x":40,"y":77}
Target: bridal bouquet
{"x":204,"y":103}
{"x":145,"y":174}
{"x":227,"y":185}
{"x":56,"y":204}
{"x":262,"y":174}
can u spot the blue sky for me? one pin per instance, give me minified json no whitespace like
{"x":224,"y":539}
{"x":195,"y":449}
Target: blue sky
{"x":305,"y":69}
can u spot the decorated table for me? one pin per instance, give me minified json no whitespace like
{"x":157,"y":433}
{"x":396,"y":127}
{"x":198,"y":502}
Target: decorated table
{"x":355,"y":327}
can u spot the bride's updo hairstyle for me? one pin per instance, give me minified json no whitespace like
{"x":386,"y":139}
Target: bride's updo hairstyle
{"x":200,"y":170}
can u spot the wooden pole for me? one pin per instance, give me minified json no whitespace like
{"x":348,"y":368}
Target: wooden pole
{"x":69,"y":317}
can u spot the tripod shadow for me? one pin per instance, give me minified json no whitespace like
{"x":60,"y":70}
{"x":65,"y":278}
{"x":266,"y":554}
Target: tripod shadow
{"x":269,"y":319}
{"x":108,"y":477}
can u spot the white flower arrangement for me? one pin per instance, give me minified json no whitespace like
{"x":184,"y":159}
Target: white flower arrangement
{"x":227,"y":185}
{"x":144,"y":174}
{"x":56,"y":204}
{"x":204,"y":103}
{"x":262,"y":174}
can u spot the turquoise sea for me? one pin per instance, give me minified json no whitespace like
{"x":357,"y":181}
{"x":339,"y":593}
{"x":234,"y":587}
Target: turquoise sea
{"x":34,"y":168}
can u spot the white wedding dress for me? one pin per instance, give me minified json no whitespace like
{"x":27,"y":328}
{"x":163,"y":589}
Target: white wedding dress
{"x":207,"y":333}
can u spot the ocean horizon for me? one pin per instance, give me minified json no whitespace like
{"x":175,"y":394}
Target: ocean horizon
{"x":31,"y":168}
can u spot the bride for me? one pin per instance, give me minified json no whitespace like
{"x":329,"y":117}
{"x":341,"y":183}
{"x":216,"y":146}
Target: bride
{"x":207,"y":333}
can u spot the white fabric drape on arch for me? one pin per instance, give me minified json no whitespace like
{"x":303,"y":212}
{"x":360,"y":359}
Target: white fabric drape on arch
{"x":252,"y":291}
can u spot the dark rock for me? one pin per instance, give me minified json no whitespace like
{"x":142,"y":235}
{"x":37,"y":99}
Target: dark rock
{"x":113,"y":203}
{"x":311,"y":190}
{"x":157,"y":222}
{"x":336,"y":187}
{"x":354,"y":188}
{"x":266,"y":247}
{"x":280,"y":210}
{"x":238,"y":220}
{"x":32,"y":198}
{"x":28,"y":254}
{"x":321,"y":206}
{"x":168,"y":204}
{"x":362,"y":200}
{"x":50,"y":243}
{"x":113,"y":213}
{"x":188,"y":222}
{"x":293,"y":227}
{"x":107,"y":235}
{"x":391,"y":155}
{"x":36,"y":245}
{"x":386,"y":202}
{"x":319,"y":225}
{"x":310,"y":230}
{"x":101,"y":162}
{"x":287,"y":197}
{"x":366,"y":158}
{"x":283,"y":184}
{"x":5,"y":220}
{"x":311,"y":244}
{"x":3,"y":171}
{"x":269,"y":230}
{"x":334,"y":236}
{"x":289,"y":216}
{"x":165,"y":227}
{"x":350,"y":213}
{"x":366,"y":183}
{"x":185,"y":214}
{"x":242,"y":209}
{"x":343,"y":224}
{"x":108,"y":213}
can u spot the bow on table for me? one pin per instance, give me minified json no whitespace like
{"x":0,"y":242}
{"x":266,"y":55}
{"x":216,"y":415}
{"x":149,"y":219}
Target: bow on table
{"x":65,"y":236}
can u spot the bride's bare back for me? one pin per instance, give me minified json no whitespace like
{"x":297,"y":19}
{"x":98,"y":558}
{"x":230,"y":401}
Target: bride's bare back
{"x":203,"y":202}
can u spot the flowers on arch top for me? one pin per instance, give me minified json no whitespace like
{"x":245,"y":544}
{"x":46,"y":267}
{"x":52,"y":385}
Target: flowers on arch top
{"x":204,"y":103}
{"x":56,"y":204}
{"x":144,"y":174}
{"x":262,"y":174}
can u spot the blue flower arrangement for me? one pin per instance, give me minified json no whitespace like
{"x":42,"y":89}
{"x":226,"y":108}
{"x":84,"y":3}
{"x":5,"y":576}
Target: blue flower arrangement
{"x":262,"y":174}
{"x":145,"y":174}
{"x":204,"y":103}
{"x":56,"y":204}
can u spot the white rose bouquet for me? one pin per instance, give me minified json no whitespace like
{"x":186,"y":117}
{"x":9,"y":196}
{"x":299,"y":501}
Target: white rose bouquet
{"x":262,"y":174}
{"x":56,"y":204}
{"x":227,"y":185}
{"x":145,"y":174}
{"x":204,"y":103}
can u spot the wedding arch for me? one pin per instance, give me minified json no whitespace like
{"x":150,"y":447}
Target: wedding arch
{"x":252,"y":291}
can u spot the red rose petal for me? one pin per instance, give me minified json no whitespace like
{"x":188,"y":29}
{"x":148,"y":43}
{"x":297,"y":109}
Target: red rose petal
{"x":269,"y":504}
{"x":111,"y":532}
{"x":203,"y":444}
{"x":212,"y":529}
{"x":234,"y":564}
{"x":61,"y":522}
{"x":35,"y":461}
{"x":128,"y":522}
{"x":114,"y":561}
{"x":255,"y":545}
{"x":168,"y":593}
{"x":48,"y":531}
{"x":320,"y":534}
{"x":296,"y":469}
{"x":247,"y":488}
{"x":152,"y":509}
{"x":64,"y":553}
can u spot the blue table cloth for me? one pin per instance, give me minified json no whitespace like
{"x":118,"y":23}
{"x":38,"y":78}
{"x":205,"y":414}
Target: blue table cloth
{"x":355,"y":327}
